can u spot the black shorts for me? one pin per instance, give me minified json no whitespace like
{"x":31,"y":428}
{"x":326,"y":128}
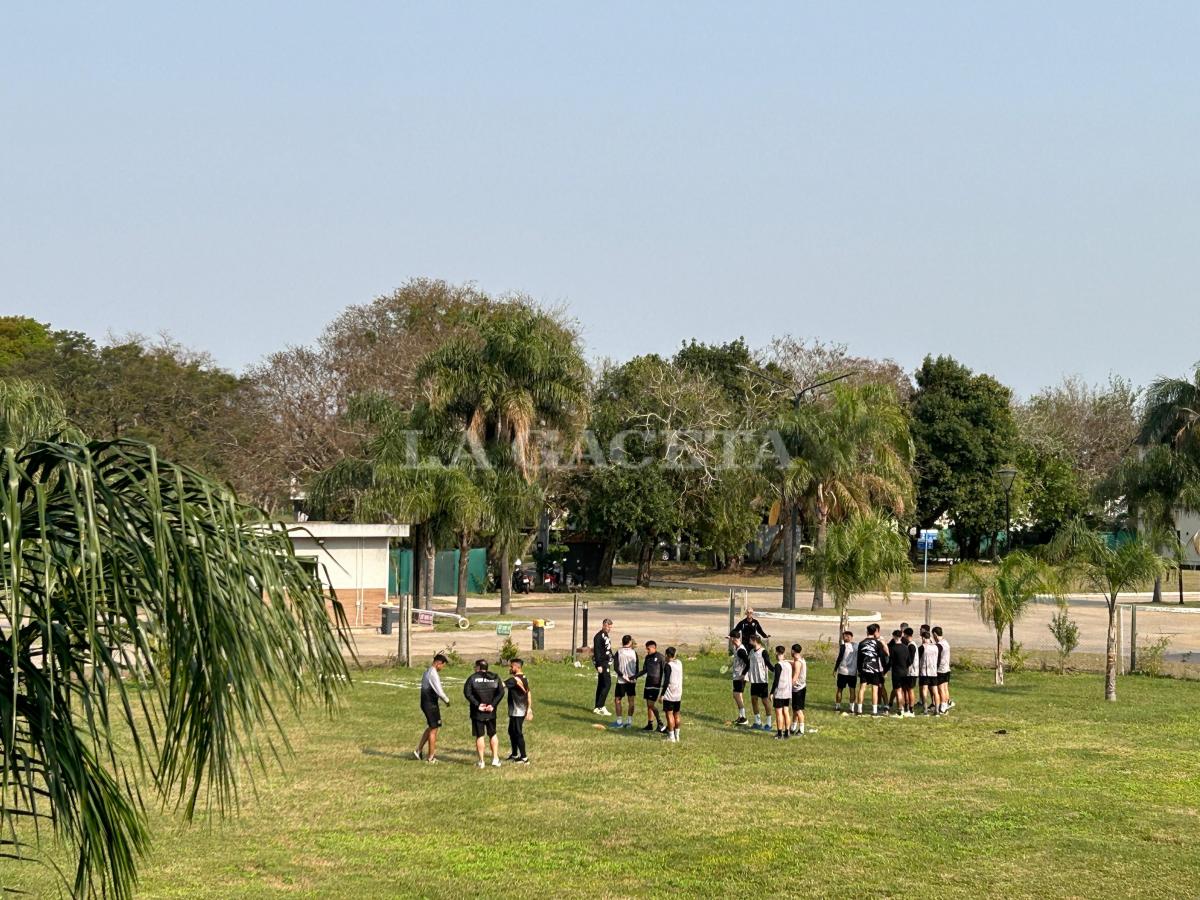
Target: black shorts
{"x":928,"y":680}
{"x":739,"y":685}
{"x":626,"y":689}
{"x":871,"y":678}
{"x":847,"y":681}
{"x":898,"y":676}
{"x":908,"y":682}
{"x":943,"y":677}
{"x":782,"y":702}
{"x":759,"y":690}
{"x":798,"y":698}
{"x":651,"y":693}
{"x":481,"y":727}
{"x":671,"y":705}
{"x":433,"y":715}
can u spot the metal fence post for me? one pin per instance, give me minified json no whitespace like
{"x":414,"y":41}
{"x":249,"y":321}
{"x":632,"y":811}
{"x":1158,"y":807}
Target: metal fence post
{"x":574,"y":625}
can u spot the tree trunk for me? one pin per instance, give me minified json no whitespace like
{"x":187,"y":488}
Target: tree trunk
{"x":999,"y":657}
{"x":787,"y":524}
{"x":768,"y":558}
{"x":464,"y":562}
{"x":822,"y":537}
{"x":417,"y":576}
{"x":843,"y":619}
{"x":608,"y":556}
{"x":505,"y":583}
{"x":1157,"y":589}
{"x":429,"y":549}
{"x":1011,"y":640}
{"x":643,"y":569}
{"x":1110,"y":655}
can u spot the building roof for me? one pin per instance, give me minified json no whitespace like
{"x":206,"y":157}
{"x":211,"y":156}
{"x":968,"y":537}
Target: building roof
{"x":346,"y":530}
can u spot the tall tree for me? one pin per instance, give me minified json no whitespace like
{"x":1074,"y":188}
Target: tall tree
{"x":515,"y":370}
{"x":963,"y":430}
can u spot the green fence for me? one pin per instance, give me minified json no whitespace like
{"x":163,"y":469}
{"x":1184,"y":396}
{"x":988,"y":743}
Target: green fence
{"x":445,"y":574}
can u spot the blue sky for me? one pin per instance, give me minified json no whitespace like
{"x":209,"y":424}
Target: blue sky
{"x":1017,"y":184}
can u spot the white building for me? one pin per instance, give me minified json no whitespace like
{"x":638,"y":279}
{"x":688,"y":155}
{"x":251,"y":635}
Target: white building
{"x":1188,"y":525}
{"x":354,"y":559}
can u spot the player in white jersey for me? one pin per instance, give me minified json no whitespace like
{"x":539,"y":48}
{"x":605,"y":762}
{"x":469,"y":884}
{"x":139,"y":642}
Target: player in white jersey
{"x":781,"y":693}
{"x":673,"y":695}
{"x":799,"y":688}
{"x":943,"y":671}
{"x":738,"y":669}
{"x":846,"y":669}
{"x":927,"y":655}
{"x":626,"y":664}
{"x":759,"y":676}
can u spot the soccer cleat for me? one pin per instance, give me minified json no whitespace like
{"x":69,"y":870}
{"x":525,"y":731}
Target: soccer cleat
{"x":481,"y":765}
{"x":433,"y":760}
{"x":495,"y":762}
{"x":417,"y":754}
{"x":524,"y":760}
{"x":649,"y":726}
{"x":662,"y":729}
{"x":741,"y":721}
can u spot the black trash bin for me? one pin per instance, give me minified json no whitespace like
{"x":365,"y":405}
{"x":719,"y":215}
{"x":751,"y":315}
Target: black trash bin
{"x":390,"y":618}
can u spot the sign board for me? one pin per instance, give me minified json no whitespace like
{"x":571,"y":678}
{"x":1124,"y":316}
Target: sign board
{"x":504,"y":628}
{"x":424,"y":617}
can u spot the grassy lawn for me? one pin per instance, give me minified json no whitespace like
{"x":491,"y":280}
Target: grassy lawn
{"x":1075,"y":798}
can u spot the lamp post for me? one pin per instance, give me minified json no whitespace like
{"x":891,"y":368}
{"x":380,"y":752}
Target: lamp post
{"x":1007,"y":476}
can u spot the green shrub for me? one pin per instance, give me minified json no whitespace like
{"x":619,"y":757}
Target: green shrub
{"x":1150,"y":656}
{"x":509,"y":651}
{"x":1066,"y":635}
{"x":1015,"y":658}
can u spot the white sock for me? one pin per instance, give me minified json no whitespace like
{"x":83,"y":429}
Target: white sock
{"x":874,"y":708}
{"x":757,"y":719}
{"x":741,"y":712}
{"x":836,"y":707}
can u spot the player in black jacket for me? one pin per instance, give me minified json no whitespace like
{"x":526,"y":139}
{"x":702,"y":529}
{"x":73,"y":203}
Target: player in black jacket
{"x":872,"y":664}
{"x":602,"y":657}
{"x":747,"y":628}
{"x":484,"y":690}
{"x":654,"y":669}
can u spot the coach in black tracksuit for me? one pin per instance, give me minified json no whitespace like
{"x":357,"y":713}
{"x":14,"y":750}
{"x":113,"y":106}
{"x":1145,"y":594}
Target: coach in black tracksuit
{"x":747,"y":628}
{"x":602,"y":657}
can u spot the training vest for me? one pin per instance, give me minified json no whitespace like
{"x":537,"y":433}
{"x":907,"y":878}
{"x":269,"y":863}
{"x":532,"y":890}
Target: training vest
{"x":784,"y":689}
{"x":760,"y":671}
{"x":849,"y":663}
{"x":627,"y":663}
{"x":929,"y":657}
{"x":674,"y":691}
{"x":914,"y":665}
{"x":799,"y":675}
{"x":943,"y":665}
{"x":741,"y":663}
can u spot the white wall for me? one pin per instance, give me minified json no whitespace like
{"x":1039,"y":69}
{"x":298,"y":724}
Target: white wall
{"x":1188,"y":524}
{"x":349,"y":563}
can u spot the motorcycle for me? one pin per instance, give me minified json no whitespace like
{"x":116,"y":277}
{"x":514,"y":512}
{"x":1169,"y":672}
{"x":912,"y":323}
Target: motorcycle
{"x":521,"y":582}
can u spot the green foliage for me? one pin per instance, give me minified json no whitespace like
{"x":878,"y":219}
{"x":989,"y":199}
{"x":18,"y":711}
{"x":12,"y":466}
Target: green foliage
{"x":1066,"y":634}
{"x":508,"y":650}
{"x":863,"y":554}
{"x":964,"y":431}
{"x":115,"y":562}
{"x":21,"y":338}
{"x":1151,"y":656}
{"x":1015,"y":658}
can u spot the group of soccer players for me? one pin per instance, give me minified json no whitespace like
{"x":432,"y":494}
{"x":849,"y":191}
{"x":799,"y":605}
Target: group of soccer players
{"x":920,"y":680}
{"x":663,"y":674}
{"x":925,"y":665}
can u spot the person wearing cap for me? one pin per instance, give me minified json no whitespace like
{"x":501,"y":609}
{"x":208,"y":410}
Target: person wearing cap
{"x":484,"y":690}
{"x":602,"y":657}
{"x":747,"y":628}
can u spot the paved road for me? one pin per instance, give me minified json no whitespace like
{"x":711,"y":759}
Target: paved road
{"x":705,"y":618}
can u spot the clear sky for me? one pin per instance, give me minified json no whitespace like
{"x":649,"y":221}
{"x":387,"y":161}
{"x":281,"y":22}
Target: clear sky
{"x":1017,"y":184}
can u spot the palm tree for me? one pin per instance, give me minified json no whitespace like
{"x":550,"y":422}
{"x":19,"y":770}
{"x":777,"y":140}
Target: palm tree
{"x":149,"y":623}
{"x":518,"y":370}
{"x":862,"y":554}
{"x":852,"y":452}
{"x":1110,"y":570}
{"x":1172,"y":413}
{"x":29,"y":411}
{"x":1005,"y":591}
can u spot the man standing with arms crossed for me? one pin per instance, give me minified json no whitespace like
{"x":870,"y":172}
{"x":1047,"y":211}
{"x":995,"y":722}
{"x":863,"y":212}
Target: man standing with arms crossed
{"x":602,"y":657}
{"x":484,"y":691}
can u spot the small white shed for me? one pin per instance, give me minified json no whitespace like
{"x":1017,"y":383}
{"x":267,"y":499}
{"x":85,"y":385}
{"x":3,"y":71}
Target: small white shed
{"x":353,"y":558}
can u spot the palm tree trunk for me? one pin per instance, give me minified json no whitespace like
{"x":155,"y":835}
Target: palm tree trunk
{"x":999,"y":657}
{"x":787,"y":527}
{"x":505,"y":583}
{"x":1110,"y":654}
{"x":418,"y":564}
{"x":843,"y":618}
{"x":1157,"y":589}
{"x":822,"y":537}
{"x":1011,"y":641}
{"x":464,"y":562}
{"x":430,"y":550}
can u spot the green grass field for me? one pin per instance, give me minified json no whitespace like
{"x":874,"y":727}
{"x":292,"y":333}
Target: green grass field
{"x":1037,"y":789}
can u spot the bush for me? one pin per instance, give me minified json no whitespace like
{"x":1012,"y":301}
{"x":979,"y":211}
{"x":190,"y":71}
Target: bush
{"x":1015,"y":658}
{"x":1066,"y":635}
{"x":711,"y":645}
{"x":1150,"y":657}
{"x":509,"y":651}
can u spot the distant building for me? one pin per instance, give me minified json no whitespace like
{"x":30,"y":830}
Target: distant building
{"x":355,"y":559}
{"x":1188,"y":525}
